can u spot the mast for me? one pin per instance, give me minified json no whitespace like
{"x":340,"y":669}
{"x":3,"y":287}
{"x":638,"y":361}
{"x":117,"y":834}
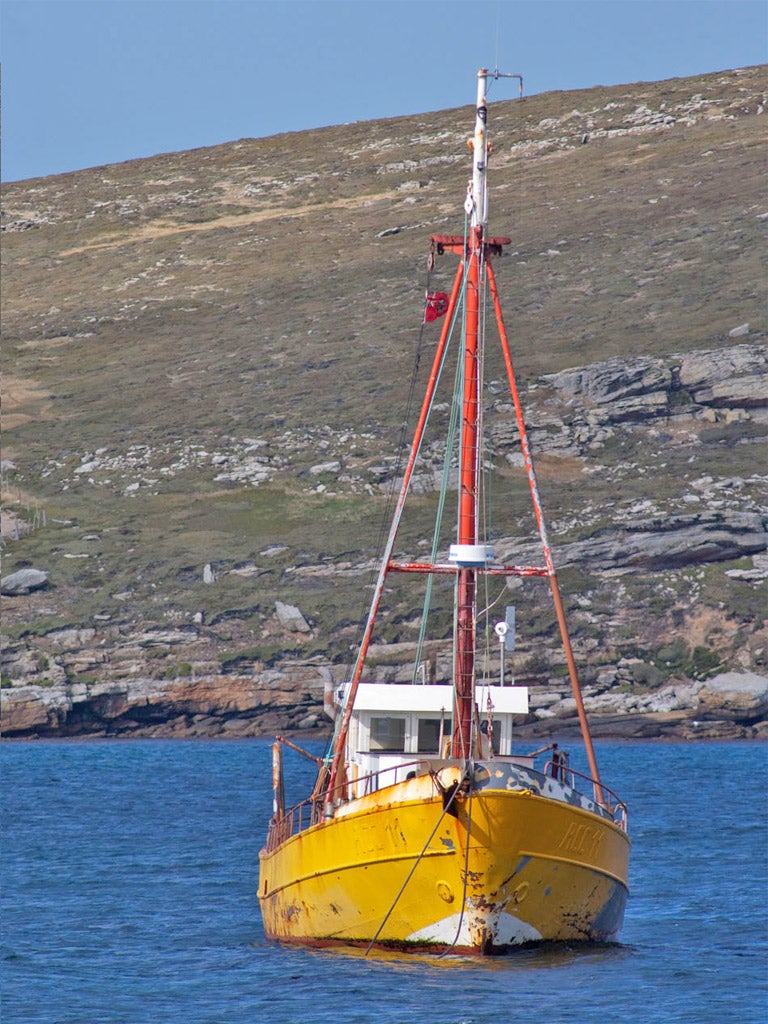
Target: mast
{"x":475,"y":271}
{"x":476,"y":207}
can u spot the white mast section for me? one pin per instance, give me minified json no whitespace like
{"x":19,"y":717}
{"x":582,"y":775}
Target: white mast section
{"x":480,"y":155}
{"x":477,"y":194}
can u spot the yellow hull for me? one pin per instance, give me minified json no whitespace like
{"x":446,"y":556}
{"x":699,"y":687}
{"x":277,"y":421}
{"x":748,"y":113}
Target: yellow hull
{"x":501,"y":869}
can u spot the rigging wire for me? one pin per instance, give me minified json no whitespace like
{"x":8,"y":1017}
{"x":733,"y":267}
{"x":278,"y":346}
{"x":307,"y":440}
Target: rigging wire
{"x":445,"y":481}
{"x":483,"y":476}
{"x":402,"y":443}
{"x":386,"y":515}
{"x":447,"y":459}
{"x":492,"y":603}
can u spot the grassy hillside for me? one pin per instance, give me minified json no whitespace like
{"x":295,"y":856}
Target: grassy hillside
{"x":189,"y":339}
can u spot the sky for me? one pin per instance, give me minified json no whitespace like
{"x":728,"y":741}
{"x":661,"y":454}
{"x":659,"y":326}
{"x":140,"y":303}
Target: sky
{"x":92,"y":82}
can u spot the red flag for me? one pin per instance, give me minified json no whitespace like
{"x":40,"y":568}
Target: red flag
{"x":436,"y":306}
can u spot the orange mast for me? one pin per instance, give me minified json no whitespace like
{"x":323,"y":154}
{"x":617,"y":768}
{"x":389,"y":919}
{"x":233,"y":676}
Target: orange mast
{"x":464,"y":671}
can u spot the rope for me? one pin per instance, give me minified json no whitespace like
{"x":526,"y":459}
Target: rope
{"x":416,"y":863}
{"x":466,"y":875}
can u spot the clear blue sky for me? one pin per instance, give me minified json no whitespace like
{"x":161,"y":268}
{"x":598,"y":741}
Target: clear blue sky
{"x":90,"y":82}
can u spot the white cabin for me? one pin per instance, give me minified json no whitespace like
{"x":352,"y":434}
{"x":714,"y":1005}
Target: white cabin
{"x":395,"y":724}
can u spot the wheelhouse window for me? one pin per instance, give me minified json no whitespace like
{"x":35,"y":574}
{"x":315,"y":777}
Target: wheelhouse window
{"x":388,"y":735}
{"x":428,"y":737}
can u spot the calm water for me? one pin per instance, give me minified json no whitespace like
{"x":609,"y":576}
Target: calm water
{"x":129,"y":870}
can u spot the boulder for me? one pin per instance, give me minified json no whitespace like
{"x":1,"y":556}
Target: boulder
{"x":742,"y":695}
{"x":291,"y":618}
{"x":23,"y":582}
{"x":325,"y":467}
{"x":739,"y":332}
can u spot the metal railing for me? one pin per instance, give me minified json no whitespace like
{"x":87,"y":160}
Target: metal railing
{"x":616,"y":809}
{"x":311,"y":810}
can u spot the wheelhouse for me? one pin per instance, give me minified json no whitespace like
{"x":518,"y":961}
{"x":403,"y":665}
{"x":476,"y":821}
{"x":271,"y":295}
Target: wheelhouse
{"x":394,"y":725}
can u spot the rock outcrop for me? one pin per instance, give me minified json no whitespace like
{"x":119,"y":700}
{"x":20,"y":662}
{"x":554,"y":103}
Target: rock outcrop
{"x":730,"y":705}
{"x":666,"y":543}
{"x":213,"y":706}
{"x":580,"y":409}
{"x":291,"y":618}
{"x":153,"y":679}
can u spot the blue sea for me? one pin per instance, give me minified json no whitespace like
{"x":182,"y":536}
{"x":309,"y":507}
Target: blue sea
{"x":129,"y":871}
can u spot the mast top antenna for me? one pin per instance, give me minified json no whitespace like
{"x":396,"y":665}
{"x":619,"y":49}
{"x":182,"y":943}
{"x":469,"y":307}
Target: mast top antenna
{"x":496,"y":74}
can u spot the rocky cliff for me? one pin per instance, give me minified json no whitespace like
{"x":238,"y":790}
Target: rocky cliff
{"x":731,"y":705}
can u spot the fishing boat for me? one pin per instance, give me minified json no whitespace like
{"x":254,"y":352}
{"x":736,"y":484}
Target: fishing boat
{"x":427,"y":829}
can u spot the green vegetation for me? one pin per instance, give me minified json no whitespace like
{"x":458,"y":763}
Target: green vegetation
{"x":182,"y":670}
{"x":677,"y":658}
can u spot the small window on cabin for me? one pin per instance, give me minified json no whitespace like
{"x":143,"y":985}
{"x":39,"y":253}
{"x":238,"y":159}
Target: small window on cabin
{"x":388,"y":734}
{"x":429,"y":735}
